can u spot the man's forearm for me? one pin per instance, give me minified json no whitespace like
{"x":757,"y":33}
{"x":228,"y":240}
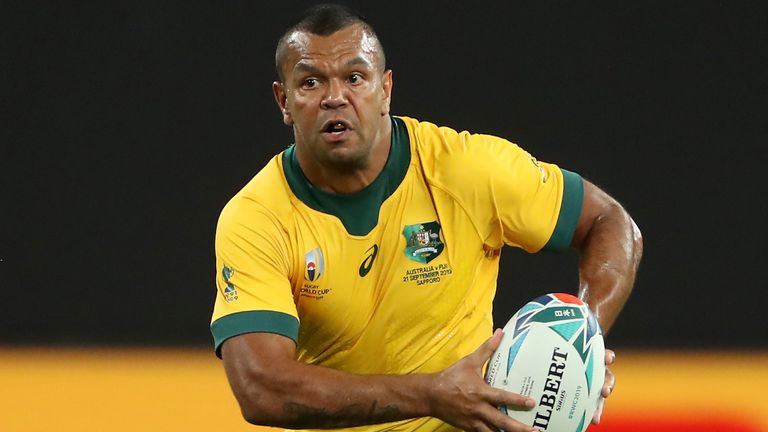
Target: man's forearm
{"x":298,"y":395}
{"x":274,"y":389}
{"x":610,"y":257}
{"x":325,"y":397}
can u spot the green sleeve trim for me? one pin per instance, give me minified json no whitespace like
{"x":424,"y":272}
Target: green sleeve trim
{"x":570,"y":210}
{"x":261,"y":321}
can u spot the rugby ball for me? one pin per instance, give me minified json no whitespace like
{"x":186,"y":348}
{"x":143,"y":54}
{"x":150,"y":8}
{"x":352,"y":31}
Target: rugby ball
{"x":553,"y":352}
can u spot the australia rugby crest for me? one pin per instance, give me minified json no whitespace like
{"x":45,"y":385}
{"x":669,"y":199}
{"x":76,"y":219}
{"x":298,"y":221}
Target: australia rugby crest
{"x":422,"y":242}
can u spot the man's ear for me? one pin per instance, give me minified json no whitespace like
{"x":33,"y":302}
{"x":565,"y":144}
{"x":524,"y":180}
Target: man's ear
{"x":278,"y":89}
{"x":386,"y":84}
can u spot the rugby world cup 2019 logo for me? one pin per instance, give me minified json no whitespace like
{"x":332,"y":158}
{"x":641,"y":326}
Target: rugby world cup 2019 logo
{"x":314,"y":265}
{"x":422,"y":241}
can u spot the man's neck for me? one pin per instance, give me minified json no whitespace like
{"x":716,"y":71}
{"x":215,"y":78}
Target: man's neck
{"x":341,"y":181}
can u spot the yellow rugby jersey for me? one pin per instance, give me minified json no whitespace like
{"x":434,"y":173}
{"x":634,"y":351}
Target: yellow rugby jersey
{"x":400,"y":277}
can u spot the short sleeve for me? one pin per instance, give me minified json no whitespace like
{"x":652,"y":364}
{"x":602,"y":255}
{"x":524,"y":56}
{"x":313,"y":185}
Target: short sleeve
{"x":569,"y":212}
{"x":536,"y":205}
{"x":252,"y":275}
{"x":511,"y":197}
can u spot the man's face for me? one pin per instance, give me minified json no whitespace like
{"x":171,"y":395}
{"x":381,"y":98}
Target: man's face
{"x":335,"y":95}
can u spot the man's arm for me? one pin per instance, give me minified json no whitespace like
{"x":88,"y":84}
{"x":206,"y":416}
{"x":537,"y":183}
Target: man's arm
{"x":611,"y":247}
{"x":275,"y":389}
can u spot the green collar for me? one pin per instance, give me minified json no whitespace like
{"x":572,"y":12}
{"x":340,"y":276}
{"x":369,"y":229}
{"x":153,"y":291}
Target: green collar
{"x":359,"y":211}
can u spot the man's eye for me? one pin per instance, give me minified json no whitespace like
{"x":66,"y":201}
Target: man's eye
{"x":309,"y":83}
{"x":355,"y":78}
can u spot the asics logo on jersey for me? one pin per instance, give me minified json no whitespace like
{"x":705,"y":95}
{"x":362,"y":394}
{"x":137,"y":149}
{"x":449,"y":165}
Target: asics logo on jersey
{"x":367,"y":263}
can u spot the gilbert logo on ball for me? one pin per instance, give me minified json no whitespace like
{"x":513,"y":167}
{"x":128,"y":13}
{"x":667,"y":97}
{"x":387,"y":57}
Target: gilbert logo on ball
{"x":553,"y":352}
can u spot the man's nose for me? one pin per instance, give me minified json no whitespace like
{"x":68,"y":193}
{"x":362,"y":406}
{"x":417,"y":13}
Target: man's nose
{"x":335,"y":96}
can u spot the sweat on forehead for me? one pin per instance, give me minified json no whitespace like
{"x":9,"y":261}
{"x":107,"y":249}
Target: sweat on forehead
{"x":299,"y":40}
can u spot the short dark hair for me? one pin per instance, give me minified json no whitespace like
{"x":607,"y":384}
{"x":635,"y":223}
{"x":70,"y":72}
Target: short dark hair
{"x":324,"y":20}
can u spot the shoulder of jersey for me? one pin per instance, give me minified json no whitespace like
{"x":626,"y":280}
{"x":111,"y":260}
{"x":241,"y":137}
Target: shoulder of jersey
{"x":431,"y":137}
{"x":448,"y":158}
{"x":267,"y":192}
{"x":445,"y":145}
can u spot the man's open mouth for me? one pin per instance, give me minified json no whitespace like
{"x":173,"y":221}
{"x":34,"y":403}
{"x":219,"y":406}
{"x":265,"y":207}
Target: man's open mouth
{"x":336,"y":127}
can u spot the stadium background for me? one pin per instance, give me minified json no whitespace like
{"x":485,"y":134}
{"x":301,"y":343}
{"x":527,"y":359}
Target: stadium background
{"x":126,"y":126}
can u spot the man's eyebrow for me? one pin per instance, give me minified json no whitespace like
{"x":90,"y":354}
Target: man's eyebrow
{"x":357,"y":61}
{"x":305,"y":67}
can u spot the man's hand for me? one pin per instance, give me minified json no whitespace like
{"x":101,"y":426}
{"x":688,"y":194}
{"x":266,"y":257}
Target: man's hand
{"x":462,"y":398}
{"x":610,"y":382}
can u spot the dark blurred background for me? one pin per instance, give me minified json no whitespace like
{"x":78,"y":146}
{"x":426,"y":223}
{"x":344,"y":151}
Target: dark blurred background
{"x":126,"y":126}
